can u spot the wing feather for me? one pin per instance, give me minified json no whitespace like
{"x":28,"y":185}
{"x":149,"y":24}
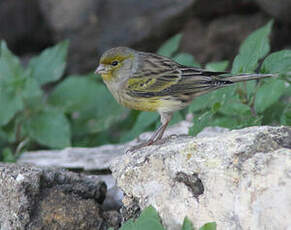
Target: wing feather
{"x":172,"y":79}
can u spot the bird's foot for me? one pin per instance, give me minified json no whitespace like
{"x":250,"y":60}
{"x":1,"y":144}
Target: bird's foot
{"x":150,"y":142}
{"x":136,"y":147}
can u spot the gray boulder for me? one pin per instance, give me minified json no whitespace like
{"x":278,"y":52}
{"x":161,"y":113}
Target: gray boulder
{"x":41,"y":198}
{"x":240,"y":179}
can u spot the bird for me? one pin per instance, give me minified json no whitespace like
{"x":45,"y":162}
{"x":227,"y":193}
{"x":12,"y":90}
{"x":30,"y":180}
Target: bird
{"x":151,"y":82}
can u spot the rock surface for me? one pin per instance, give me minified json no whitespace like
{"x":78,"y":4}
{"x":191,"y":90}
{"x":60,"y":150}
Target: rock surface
{"x":92,"y":159}
{"x":240,"y":179}
{"x":41,"y":198}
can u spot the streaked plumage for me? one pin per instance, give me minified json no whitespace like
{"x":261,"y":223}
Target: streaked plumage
{"x":149,"y":82}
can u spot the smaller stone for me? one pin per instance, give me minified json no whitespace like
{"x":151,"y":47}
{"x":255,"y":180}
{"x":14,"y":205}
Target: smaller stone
{"x":50,"y":198}
{"x":193,"y":182}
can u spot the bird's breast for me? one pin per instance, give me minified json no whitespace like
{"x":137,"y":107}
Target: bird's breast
{"x":150,"y":104}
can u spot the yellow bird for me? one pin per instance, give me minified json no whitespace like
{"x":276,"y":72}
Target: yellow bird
{"x":150,"y":82}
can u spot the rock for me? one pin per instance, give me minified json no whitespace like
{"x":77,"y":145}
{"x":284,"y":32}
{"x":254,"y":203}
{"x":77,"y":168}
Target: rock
{"x":42,"y":198}
{"x":94,"y":26}
{"x":240,"y":179}
{"x":96,"y":160}
{"x":84,"y":159}
{"x":92,"y":159}
{"x":212,"y":131}
{"x":114,"y":196}
{"x":22,"y":26}
{"x":279,"y":9}
{"x":220,"y":39}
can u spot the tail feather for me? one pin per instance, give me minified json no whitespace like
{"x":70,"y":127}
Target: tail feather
{"x":246,"y":77}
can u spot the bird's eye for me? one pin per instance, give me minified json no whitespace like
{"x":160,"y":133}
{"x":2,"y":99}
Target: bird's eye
{"x":114,"y":63}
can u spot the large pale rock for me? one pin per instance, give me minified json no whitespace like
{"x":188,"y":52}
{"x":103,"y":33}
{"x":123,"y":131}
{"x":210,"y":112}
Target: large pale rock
{"x":240,"y":179}
{"x":34,"y":198}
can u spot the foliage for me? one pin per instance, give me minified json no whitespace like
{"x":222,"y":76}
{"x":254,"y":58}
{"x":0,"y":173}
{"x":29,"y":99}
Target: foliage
{"x":31,"y":118}
{"x":149,"y":219}
{"x":250,"y":103}
{"x":80,"y":111}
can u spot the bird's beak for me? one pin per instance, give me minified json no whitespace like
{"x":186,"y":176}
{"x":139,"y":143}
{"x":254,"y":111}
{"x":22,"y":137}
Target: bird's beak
{"x":100,"y":69}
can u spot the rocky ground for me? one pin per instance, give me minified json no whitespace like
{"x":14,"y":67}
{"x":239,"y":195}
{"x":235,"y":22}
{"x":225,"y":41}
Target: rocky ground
{"x":240,"y":179}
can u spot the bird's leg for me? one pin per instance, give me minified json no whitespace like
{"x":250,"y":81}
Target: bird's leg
{"x":158,"y":134}
{"x":165,"y":119}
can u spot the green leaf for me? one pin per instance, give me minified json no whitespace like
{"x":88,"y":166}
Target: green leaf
{"x":234,"y":107}
{"x":76,"y":93}
{"x":229,"y":122}
{"x":247,"y":121}
{"x":255,"y":47}
{"x":277,"y":62}
{"x":269,"y":93}
{"x":177,"y":117}
{"x":215,"y":107}
{"x":7,"y":155}
{"x":286,"y":116}
{"x":187,"y":224}
{"x":273,"y":114}
{"x":217,"y":66}
{"x":208,"y":226}
{"x":149,"y":219}
{"x":208,"y":100}
{"x":10,"y":65}
{"x":31,"y":93}
{"x":200,"y":122}
{"x":49,"y":127}
{"x":186,"y":59}
{"x":144,"y":120}
{"x":128,"y":225}
{"x":10,"y":130}
{"x":288,"y":90}
{"x":170,"y":46}
{"x":11,"y":83}
{"x":12,"y":104}
{"x":90,"y":102}
{"x":49,"y":66}
{"x":200,"y":103}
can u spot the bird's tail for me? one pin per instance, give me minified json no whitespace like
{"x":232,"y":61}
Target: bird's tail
{"x":246,"y":77}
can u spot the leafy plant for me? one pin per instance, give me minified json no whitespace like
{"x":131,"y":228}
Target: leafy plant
{"x":149,"y":219}
{"x":80,"y":111}
{"x":30,"y":117}
{"x":250,"y":103}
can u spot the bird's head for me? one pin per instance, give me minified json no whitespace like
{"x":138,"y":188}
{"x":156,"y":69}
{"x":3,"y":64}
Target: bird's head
{"x":116,"y":63}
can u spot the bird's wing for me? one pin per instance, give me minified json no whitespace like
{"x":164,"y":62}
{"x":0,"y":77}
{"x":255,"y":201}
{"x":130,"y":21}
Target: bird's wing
{"x":160,"y":76}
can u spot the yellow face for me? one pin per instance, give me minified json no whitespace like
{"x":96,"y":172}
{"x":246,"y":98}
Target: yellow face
{"x":112,"y":61}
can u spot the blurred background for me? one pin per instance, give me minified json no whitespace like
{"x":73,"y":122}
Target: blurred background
{"x":49,"y":97}
{"x":212,"y":30}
